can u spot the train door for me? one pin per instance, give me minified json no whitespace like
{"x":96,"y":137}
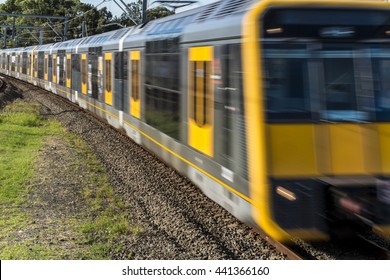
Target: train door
{"x":68,"y":70}
{"x":108,"y":77}
{"x":84,"y":73}
{"x":76,"y":72}
{"x":201,"y":99}
{"x":121,"y":81}
{"x":135,"y":98}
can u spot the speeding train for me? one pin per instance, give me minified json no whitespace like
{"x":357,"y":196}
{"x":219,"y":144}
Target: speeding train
{"x":278,"y":110}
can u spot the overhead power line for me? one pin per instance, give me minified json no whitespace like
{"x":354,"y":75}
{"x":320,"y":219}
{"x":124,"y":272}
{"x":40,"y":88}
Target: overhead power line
{"x":83,"y":14}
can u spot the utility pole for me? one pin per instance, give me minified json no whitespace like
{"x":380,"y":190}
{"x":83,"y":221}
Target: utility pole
{"x":66,"y":26}
{"x":84,"y":29}
{"x":14,"y":26}
{"x":5,"y":38}
{"x":41,"y":37}
{"x":144,"y":8}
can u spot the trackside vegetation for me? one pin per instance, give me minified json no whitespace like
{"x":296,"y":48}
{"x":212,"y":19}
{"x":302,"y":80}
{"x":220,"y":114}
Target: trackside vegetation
{"x":35,"y":226}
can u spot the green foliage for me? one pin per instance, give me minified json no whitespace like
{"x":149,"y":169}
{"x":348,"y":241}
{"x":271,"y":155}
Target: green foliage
{"x":136,"y":14}
{"x":96,"y":19}
{"x":76,"y":12}
{"x":158,"y":12}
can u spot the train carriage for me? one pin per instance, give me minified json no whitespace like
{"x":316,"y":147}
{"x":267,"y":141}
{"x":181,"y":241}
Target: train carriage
{"x":278,"y":110}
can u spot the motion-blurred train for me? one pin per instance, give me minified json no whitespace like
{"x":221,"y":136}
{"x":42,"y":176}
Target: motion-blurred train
{"x":279,"y":110}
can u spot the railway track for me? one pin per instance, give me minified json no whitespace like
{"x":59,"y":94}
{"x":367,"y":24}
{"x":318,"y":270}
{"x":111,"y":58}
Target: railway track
{"x":380,"y":249}
{"x":160,"y":196}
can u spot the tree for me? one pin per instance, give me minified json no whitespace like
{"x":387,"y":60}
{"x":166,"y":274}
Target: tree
{"x":76,"y":11}
{"x":135,"y":9}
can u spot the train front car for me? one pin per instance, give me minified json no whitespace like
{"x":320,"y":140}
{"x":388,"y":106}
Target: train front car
{"x":317,"y":97}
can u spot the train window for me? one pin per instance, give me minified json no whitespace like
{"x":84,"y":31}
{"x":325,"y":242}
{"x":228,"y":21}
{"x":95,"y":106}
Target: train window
{"x":121,"y":87}
{"x":339,"y":84}
{"x":200,"y":91}
{"x":61,"y":60}
{"x":28,"y":64}
{"x":314,"y":23}
{"x":41,"y":65}
{"x":381,"y":69}
{"x":162,"y":84}
{"x":24,"y":63}
{"x":108,"y":76}
{"x":118,"y":66}
{"x":287,"y":83}
{"x":76,"y":73}
{"x":135,"y":79}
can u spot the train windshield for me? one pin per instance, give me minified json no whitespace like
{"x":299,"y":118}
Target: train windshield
{"x":322,"y":73}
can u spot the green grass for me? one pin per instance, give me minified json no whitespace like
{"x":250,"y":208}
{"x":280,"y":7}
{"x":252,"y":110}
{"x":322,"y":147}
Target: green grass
{"x":21,"y":133}
{"x":95,"y":232}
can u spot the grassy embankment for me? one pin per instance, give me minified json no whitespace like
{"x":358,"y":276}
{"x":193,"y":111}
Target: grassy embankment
{"x":94,"y":232}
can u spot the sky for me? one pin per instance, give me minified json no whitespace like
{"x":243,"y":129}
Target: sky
{"x":116,"y":11}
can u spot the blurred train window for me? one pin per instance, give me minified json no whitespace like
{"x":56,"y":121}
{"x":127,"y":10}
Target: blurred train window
{"x":84,"y":72}
{"x":61,"y":59}
{"x":41,"y":62}
{"x":382,"y":87}
{"x":24,"y":63}
{"x":108,"y":75}
{"x":135,"y":79}
{"x":76,"y":75}
{"x":200,"y":75}
{"x":162,"y":84}
{"x":286,"y":85}
{"x":340,"y":84}
{"x":120,"y":75}
{"x":325,"y":23}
